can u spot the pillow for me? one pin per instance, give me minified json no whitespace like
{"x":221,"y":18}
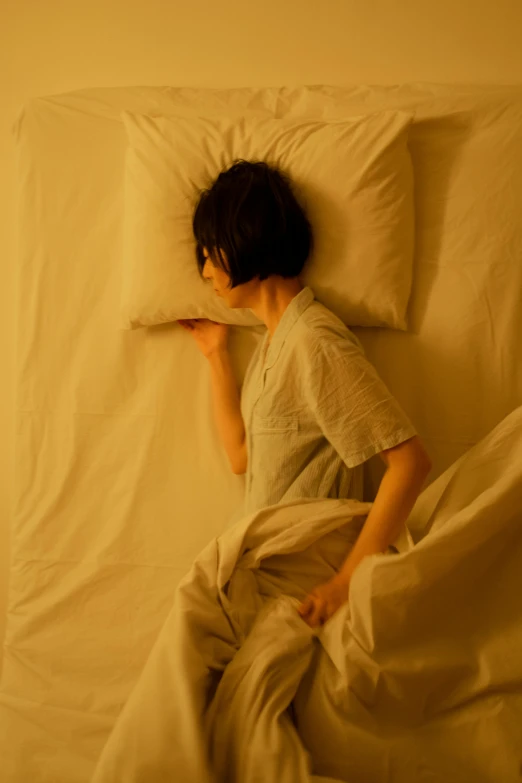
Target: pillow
{"x":353,"y":176}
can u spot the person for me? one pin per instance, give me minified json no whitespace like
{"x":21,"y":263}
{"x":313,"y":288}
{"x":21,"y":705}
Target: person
{"x":312,"y":409}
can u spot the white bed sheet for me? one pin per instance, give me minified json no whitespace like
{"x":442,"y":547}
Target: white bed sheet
{"x":121,"y":478}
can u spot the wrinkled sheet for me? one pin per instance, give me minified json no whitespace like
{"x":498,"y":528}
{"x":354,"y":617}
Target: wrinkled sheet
{"x":418,"y":677}
{"x":121,"y":476}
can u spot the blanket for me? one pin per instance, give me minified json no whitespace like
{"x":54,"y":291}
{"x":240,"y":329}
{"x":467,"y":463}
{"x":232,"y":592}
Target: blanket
{"x":417,"y":678}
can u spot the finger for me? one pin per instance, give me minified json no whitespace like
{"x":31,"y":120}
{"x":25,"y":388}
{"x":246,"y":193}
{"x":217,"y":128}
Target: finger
{"x":305,"y":607}
{"x":315,"y":617}
{"x":306,"y":615}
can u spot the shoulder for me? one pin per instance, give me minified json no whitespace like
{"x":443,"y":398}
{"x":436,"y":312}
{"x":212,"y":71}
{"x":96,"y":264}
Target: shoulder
{"x":322,"y":333}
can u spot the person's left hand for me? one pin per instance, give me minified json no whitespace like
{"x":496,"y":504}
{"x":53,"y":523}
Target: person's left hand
{"x":324,"y":601}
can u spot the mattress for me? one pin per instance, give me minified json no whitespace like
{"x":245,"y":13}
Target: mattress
{"x":120,"y":475}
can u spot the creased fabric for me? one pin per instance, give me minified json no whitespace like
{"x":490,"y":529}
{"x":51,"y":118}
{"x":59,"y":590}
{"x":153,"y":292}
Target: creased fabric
{"x":418,"y":677}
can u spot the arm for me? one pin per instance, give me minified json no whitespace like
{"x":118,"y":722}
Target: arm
{"x":408,"y":465}
{"x":227,"y":409}
{"x":242,"y":460}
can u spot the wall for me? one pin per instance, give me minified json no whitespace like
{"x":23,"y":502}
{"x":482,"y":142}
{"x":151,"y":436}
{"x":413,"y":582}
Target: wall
{"x":51,"y":46}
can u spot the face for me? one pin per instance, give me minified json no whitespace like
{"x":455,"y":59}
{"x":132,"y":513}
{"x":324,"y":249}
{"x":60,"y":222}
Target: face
{"x":242,"y":296}
{"x":218,"y":277}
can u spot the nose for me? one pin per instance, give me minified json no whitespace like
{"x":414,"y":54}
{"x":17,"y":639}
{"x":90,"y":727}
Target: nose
{"x":205,"y":271}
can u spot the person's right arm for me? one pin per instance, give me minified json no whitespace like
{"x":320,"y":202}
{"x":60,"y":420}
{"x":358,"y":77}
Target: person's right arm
{"x":227,"y":409}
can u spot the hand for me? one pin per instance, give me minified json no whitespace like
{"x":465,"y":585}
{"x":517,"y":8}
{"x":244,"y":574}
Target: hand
{"x":324,"y":601}
{"x":210,"y":336}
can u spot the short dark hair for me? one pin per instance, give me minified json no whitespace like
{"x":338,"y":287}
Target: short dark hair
{"x":252,"y":214}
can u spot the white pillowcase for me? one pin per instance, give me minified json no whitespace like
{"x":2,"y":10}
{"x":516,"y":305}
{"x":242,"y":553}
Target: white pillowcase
{"x":353,"y":177}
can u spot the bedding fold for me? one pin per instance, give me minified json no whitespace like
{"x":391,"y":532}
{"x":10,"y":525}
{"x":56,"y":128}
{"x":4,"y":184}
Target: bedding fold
{"x":418,"y":677}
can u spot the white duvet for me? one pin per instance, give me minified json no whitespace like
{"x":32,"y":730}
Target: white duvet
{"x":417,"y":678}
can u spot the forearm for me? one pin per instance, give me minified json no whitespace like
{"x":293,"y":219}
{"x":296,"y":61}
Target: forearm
{"x":396,"y":496}
{"x":227,"y":406}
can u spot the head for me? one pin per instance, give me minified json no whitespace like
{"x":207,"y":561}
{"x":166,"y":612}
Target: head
{"x":248,"y":227}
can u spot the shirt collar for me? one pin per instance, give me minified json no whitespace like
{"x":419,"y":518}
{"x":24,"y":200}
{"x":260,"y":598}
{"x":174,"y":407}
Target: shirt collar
{"x":293,"y":311}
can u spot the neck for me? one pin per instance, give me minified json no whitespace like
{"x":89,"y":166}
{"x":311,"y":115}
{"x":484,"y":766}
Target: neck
{"x":273,"y":297}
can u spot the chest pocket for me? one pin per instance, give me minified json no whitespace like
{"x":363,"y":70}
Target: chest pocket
{"x":274,"y":424}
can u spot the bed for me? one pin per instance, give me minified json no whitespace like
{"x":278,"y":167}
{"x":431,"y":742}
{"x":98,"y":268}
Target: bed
{"x":120,"y":476}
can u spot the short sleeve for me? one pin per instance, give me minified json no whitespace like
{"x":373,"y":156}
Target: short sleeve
{"x":352,"y":405}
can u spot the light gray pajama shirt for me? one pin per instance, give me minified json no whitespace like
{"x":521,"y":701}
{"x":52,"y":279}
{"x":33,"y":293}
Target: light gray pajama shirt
{"x":314,"y":410}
